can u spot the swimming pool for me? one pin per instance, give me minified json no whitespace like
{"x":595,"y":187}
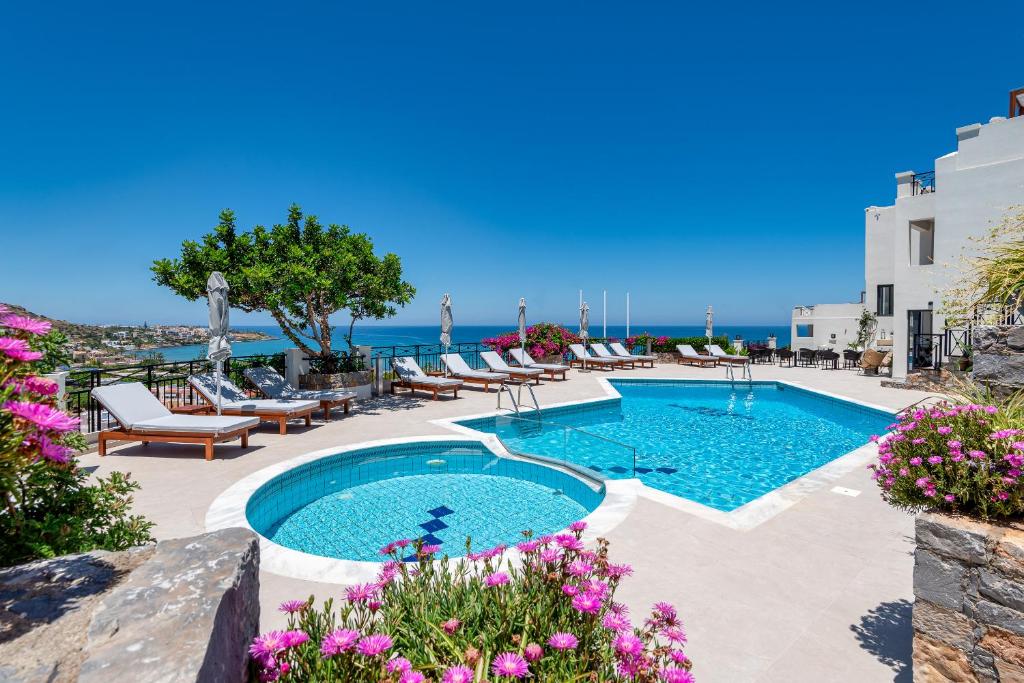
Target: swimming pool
{"x":349,"y":505}
{"x":716,"y":443}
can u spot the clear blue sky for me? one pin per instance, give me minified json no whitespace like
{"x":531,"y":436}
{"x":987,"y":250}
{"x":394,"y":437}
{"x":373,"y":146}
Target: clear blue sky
{"x":691,"y":153}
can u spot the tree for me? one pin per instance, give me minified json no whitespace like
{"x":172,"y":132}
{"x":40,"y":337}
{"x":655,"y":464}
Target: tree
{"x":300,"y":272}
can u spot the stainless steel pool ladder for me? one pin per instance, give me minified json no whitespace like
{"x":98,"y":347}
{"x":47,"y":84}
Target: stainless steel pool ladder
{"x":744,"y":376}
{"x":516,"y":402}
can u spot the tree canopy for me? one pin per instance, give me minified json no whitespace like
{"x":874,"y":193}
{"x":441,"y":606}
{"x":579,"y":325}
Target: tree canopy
{"x":300,"y":272}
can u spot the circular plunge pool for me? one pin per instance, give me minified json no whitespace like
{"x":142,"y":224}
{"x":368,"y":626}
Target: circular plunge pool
{"x":347,"y":506}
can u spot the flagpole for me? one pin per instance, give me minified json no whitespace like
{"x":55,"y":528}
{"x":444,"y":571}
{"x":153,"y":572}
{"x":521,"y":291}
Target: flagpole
{"x":627,"y":314}
{"x":604,"y":316}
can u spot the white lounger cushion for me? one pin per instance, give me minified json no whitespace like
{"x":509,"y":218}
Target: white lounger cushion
{"x":716,"y":350}
{"x":601,"y":351}
{"x":458,"y":367}
{"x":498,"y":364}
{"x":620,"y":350}
{"x":272,"y":384}
{"x":195,"y":424}
{"x":688,"y":351}
{"x":407,"y":368}
{"x":526,"y":360}
{"x":137,"y":409}
{"x":233,"y":398}
{"x":207,"y":386}
{"x":581,"y":353}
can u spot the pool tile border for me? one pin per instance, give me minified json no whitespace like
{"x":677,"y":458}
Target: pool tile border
{"x":749,"y":515}
{"x":229,"y":510}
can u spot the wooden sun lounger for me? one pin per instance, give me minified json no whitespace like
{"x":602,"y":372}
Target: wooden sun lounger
{"x":207,"y":440}
{"x":412,"y":385}
{"x":281,"y":416}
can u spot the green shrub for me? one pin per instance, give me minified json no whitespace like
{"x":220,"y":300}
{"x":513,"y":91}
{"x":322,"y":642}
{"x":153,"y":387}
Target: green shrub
{"x":668,"y":344}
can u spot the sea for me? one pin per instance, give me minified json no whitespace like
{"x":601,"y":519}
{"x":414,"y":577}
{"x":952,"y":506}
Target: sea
{"x":393,"y":335}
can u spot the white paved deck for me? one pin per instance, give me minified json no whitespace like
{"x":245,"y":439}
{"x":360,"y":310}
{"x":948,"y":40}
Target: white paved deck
{"x":819,"y":592}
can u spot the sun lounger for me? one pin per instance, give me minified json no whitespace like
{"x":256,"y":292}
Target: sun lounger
{"x":723,"y":357}
{"x":619,"y":350}
{"x":412,"y":377}
{"x":550,"y":369}
{"x":497,"y":364}
{"x":142,"y":417}
{"x":458,"y":366}
{"x":605,"y":354}
{"x":581,"y":355}
{"x":235,"y":402}
{"x":688,"y":355}
{"x":272,"y":385}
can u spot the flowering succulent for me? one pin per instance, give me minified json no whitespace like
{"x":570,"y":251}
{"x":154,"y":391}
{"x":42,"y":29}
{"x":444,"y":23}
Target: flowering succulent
{"x":954,"y":458}
{"x":445,"y":621}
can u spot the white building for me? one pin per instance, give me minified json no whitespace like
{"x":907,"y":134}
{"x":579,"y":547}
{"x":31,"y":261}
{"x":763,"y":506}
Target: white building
{"x":913,"y":246}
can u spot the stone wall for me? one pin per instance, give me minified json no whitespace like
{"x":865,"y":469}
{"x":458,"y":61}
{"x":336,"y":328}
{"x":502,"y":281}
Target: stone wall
{"x":182,"y":610}
{"x":969,"y":601}
{"x":998,"y":356}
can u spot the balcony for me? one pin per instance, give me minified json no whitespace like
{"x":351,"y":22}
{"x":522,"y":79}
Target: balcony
{"x":923,"y":183}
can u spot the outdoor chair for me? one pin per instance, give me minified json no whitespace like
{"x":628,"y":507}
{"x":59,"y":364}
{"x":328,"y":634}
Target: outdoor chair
{"x":807,"y":357}
{"x":604,"y":353}
{"x":497,"y":364}
{"x":142,"y":417}
{"x":851,"y":359}
{"x":582,"y":356}
{"x":619,"y":350}
{"x":828,"y":359}
{"x":870,"y":361}
{"x":785,"y":356}
{"x":410,"y":376}
{"x":724,"y":357}
{"x":525,"y":360}
{"x":458,"y":366}
{"x":688,"y":355}
{"x":233,"y":401}
{"x":272,"y":385}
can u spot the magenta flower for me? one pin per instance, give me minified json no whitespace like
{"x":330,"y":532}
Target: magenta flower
{"x":579,"y":568}
{"x":360,"y":592}
{"x":528,"y":546}
{"x":935,"y":460}
{"x":429,"y":549}
{"x":628,"y":645}
{"x":533,"y":652}
{"x":265,"y":647}
{"x":616,"y":622}
{"x":399,"y":665}
{"x":587,"y":603}
{"x":34,"y":385}
{"x":292,"y":606}
{"x":563,"y":640}
{"x":550,"y":555}
{"x":578,"y":526}
{"x":373,"y":645}
{"x":54,"y":452}
{"x":294,"y":638}
{"x":451,"y":626}
{"x":675,"y":635}
{"x":496,"y":579}
{"x":338,"y":641}
{"x":510,"y":664}
{"x":412,"y":677}
{"x":672,"y":674}
{"x":571,"y":590}
{"x":30,"y":325}
{"x":617,"y":571}
{"x":458,"y":674}
{"x":42,"y":416}
{"x":18,"y":349}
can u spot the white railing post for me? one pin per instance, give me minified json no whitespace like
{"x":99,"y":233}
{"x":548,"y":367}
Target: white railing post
{"x":61,"y":378}
{"x":294,"y":366}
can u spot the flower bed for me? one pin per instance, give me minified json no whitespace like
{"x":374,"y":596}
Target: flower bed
{"x":542,"y":340}
{"x":552,"y":619}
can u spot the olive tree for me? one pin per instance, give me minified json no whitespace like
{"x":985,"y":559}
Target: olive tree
{"x":300,"y":272}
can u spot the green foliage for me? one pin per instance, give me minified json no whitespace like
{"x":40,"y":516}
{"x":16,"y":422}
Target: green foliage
{"x":300,"y":272}
{"x":992,"y":274}
{"x":61,"y":513}
{"x":54,"y":346}
{"x":668,"y":345}
{"x":865,"y":330}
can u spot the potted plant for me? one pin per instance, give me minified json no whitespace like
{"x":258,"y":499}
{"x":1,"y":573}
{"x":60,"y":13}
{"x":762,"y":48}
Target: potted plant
{"x":964,"y":362}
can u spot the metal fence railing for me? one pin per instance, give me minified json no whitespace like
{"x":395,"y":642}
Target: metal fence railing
{"x":924,"y":183}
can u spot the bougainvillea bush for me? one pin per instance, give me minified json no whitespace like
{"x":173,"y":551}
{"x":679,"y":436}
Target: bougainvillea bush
{"x":552,"y":617}
{"x":957,"y":458}
{"x":542,"y":339}
{"x":49,"y":507}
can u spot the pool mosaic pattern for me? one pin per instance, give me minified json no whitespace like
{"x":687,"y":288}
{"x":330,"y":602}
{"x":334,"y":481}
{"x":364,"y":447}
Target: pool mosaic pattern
{"x":718,"y":444}
{"x":349,"y":505}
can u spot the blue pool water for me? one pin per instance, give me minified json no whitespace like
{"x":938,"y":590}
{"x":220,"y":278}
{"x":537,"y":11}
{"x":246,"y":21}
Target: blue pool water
{"x":718,"y":444}
{"x":349,"y":505}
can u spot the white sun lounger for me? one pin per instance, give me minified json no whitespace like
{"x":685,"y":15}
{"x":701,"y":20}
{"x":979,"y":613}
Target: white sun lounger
{"x":497,"y":364}
{"x":458,"y":366}
{"x":142,"y":417}
{"x":235,"y":402}
{"x":412,"y":377}
{"x":619,"y":350}
{"x":687,"y":354}
{"x":272,"y":385}
{"x":550,"y":369}
{"x":581,"y":355}
{"x":604,"y":353}
{"x":716,"y":351}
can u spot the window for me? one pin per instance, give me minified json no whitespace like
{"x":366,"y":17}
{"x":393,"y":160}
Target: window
{"x":805,"y":330}
{"x":884,"y":303}
{"x":922,"y":243}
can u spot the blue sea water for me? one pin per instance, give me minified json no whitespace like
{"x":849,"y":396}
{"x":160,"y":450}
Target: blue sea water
{"x":721,"y":445}
{"x":390,"y":335}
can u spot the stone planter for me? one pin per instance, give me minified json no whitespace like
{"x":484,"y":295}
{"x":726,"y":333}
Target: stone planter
{"x":968,"y":600}
{"x":358,"y":382}
{"x":551,"y":359}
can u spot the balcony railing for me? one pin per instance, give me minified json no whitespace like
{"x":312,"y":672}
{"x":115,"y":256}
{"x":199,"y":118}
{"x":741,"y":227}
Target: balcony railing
{"x":924,"y":183}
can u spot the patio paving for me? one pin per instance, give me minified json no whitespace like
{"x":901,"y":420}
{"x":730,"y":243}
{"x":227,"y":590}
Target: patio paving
{"x":821,"y":591}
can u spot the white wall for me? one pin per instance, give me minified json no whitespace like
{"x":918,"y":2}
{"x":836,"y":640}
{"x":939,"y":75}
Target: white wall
{"x":842,"y":320}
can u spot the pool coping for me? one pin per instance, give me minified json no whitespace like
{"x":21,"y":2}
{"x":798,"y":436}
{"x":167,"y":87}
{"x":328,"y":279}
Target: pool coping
{"x":229,"y":510}
{"x":749,"y":515}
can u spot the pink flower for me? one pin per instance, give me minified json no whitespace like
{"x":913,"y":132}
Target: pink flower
{"x":20,"y":322}
{"x":675,"y":635}
{"x":916,"y":461}
{"x":294,"y":638}
{"x":950,"y":498}
{"x":54,"y":452}
{"x":510,"y":664}
{"x":587,"y":603}
{"x":292,"y":606}
{"x":615,"y":622}
{"x":665,"y":611}
{"x":338,"y":641}
{"x":628,"y":645}
{"x":550,"y":555}
{"x":429,"y":549}
{"x":578,"y":526}
{"x":34,"y":385}
{"x":412,"y":677}
{"x":458,"y":674}
{"x":373,"y":645}
{"x":672,"y":674}
{"x":679,"y":657}
{"x":563,"y":640}
{"x":398,"y":664}
{"x":570,"y":589}
{"x":528,"y":546}
{"x":18,"y":349}
{"x":451,"y":626}
{"x":533,"y":652}
{"x":360,"y":592}
{"x":935,"y":460}
{"x":496,"y":579}
{"x":945,"y":430}
{"x":579,"y":568}
{"x":43,"y":416}
{"x":265,"y":647}
{"x":617,"y":571}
